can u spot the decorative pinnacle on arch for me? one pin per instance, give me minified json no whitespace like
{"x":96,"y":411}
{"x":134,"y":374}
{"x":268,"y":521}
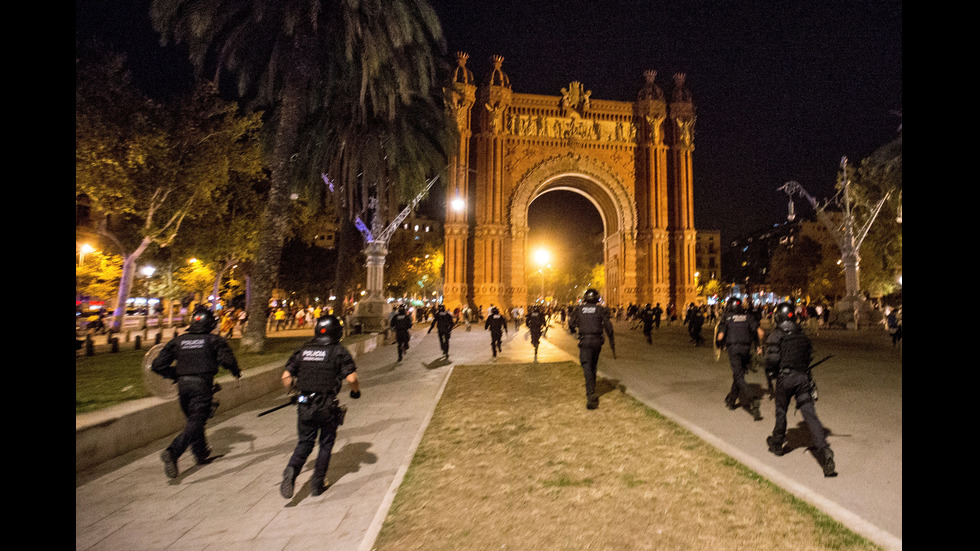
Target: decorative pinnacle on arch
{"x":681,"y":93}
{"x":461,"y":74}
{"x":650,"y":90}
{"x":497,"y":75}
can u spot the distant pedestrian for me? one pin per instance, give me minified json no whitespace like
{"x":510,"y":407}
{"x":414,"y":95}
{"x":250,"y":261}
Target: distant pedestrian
{"x":894,"y":323}
{"x":228,"y":322}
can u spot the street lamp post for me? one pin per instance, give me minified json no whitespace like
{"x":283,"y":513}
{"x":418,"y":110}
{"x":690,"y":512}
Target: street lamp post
{"x":541,"y":257}
{"x":848,"y":236}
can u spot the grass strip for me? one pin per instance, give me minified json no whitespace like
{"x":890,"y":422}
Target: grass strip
{"x":108,"y":378}
{"x":512,"y":459}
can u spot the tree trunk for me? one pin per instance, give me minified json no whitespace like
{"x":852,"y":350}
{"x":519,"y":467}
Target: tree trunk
{"x":126,"y":283}
{"x":273,"y":226}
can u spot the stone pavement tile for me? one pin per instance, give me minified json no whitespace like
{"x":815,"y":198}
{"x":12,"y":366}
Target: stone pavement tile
{"x":258,"y":544}
{"x":146,"y":535}
{"x":307,"y":519}
{"x":220,"y":527}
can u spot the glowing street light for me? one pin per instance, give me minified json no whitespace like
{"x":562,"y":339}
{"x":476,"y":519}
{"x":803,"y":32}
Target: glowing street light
{"x":84,"y":250}
{"x":542,"y":257}
{"x":458,"y":204}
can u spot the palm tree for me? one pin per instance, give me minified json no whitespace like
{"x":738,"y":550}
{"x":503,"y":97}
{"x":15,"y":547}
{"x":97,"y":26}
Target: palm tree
{"x":301,"y":59}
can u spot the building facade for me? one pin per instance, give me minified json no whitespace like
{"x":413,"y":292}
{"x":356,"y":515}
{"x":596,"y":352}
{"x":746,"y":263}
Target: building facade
{"x":632,"y":160}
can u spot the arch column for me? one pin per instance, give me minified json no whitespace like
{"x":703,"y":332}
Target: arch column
{"x":460,"y":97}
{"x":684,"y":234}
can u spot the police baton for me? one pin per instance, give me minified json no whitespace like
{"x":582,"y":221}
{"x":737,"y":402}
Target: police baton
{"x":815,"y":364}
{"x":292,"y":400}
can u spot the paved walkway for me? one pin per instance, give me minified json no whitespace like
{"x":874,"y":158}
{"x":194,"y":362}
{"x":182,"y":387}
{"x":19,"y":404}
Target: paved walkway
{"x":234,"y":503}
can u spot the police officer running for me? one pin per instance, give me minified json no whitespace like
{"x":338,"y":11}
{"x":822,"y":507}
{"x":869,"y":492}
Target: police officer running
{"x":401,"y":322}
{"x":535,"y":323}
{"x":497,"y":325}
{"x":591,"y":319}
{"x":444,"y":322}
{"x":788,"y":356}
{"x":646,"y":318}
{"x":738,"y":332}
{"x":198,"y":354}
{"x":317,"y":371}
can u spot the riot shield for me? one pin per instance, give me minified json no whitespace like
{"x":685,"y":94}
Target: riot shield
{"x":714,"y":343}
{"x":158,"y":385}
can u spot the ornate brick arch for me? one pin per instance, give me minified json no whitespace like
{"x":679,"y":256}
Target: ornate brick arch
{"x":583,"y":174}
{"x":625,"y":157}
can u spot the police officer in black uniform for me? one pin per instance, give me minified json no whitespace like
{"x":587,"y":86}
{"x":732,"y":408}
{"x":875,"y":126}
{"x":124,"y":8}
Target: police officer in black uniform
{"x":401,"y":322}
{"x":739,"y":332}
{"x":443,"y":322}
{"x":646,"y":318}
{"x":788,"y":355}
{"x":535,"y":324}
{"x":657,"y":313}
{"x":695,"y":322}
{"x":198,"y":354}
{"x":317,"y":372}
{"x":591,"y":319}
{"x":497,"y":325}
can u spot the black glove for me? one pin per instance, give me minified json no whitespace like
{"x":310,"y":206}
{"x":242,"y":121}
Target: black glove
{"x":355,"y":394}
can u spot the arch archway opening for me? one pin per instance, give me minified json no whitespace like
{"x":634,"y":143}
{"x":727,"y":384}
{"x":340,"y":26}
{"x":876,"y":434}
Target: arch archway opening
{"x":565,"y":253}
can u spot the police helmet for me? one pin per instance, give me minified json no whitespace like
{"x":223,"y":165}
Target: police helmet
{"x":648,"y":306}
{"x":785,"y":316}
{"x":202,"y":320}
{"x":495,"y":310}
{"x":329,"y":329}
{"x":591,"y":296}
{"x":735,"y":304}
{"x":401,"y":308}
{"x":442,"y":308}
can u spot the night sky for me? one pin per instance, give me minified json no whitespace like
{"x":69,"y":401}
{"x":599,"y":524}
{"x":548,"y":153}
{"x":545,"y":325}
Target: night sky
{"x":783,"y":90}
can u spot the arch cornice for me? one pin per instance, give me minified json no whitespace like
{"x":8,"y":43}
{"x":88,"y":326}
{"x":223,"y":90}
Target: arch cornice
{"x":549,"y":172}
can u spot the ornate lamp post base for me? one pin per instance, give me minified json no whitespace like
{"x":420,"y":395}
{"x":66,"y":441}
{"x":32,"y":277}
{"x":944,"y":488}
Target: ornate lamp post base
{"x":370,"y":310}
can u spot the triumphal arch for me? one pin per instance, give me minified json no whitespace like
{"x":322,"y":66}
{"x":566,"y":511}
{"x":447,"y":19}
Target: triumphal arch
{"x":632,"y":160}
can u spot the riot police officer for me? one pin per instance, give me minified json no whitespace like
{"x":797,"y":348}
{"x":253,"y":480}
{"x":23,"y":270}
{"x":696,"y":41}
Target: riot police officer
{"x":646,"y":318}
{"x":788,"y":355}
{"x":317,"y":372}
{"x":443,"y":322}
{"x":198,"y":354}
{"x":497,"y":326}
{"x":401,"y":322}
{"x":739,"y":332}
{"x":591,"y":319}
{"x":535,"y":324}
{"x":657,"y":313}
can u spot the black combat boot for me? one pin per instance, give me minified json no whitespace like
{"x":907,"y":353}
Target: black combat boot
{"x":730,"y":401}
{"x":288,"y":481}
{"x":169,"y":464}
{"x":775,"y":448}
{"x":754,"y":409}
{"x":592,"y":402}
{"x":826,"y":457}
{"x":318,"y":486}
